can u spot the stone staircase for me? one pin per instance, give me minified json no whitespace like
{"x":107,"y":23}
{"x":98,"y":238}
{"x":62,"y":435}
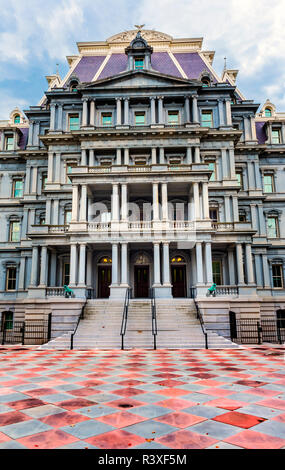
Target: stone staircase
{"x":178,"y":327}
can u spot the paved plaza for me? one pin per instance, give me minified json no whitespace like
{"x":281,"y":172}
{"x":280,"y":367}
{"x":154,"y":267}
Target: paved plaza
{"x":142,"y":399}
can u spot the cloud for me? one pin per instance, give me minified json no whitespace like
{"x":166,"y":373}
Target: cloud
{"x":10,"y":102}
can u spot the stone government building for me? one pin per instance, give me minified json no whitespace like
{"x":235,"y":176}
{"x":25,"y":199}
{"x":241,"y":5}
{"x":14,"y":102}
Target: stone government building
{"x":142,"y":168}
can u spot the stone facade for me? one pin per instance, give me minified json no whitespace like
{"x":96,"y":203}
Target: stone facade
{"x":142,"y":168}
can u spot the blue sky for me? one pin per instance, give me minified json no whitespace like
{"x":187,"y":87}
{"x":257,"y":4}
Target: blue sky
{"x":35,"y":35}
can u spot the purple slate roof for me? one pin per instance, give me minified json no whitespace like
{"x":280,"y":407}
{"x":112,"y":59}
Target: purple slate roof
{"x":23,"y":137}
{"x":162,"y":62}
{"x":116,"y":64}
{"x":192,"y":65}
{"x":87,"y":67}
{"x":260,"y":132}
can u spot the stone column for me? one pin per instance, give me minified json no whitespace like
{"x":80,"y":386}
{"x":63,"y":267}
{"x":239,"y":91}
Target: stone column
{"x":152,"y":110}
{"x":22,"y":276}
{"x":189,"y":155}
{"x":283,"y":133}
{"x":115,"y":262}
{"x":257,"y":175}
{"x":119,"y":111}
{"x":124,"y":263}
{"x":235,"y":208}
{"x":83,"y":157}
{"x":83,"y":203}
{"x":232,"y":164}
{"x":59,"y":117}
{"x":258,"y":270}
{"x":227,"y":209}
{"x":206,"y":214}
{"x":161,"y":155}
{"x":195,"y":113}
{"x":92,"y":112}
{"x":253,"y":128}
{"x":199,"y":263}
{"x":34,"y":180}
{"x":44,"y":265}
{"x":224,"y":163}
{"x":57,"y":167}
{"x":126,"y":156}
{"x":126,"y":111}
{"x":91,"y":158}
{"x":249,"y":266}
{"x":197,"y":155}
{"x":73,"y":264}
{"x":119,"y":157}
{"x":48,"y":211}
{"x":160,"y":110}
{"x":156,"y":263}
{"x":31,"y":134}
{"x":89,"y":268}
{"x":50,"y":167}
{"x":209,"y":267}
{"x":166,"y":264}
{"x":27,"y":180}
{"x":164,"y":201}
{"x":115,"y":202}
{"x":187,"y":109}
{"x":55,"y":211}
{"x":124,"y":201}
{"x":262,"y":228}
{"x":231,"y":268}
{"x":251,"y":179}
{"x":221,"y":112}
{"x":265,"y":271}
{"x":196,"y":201}
{"x":52,"y":117}
{"x":155,"y":201}
{"x":228,"y":113}
{"x":53,"y":268}
{"x":85,"y":112}
{"x":35,"y":264}
{"x":239,"y":259}
{"x":75,"y":203}
{"x":82,"y":265}
{"x":247,"y":130}
{"x":153,"y":156}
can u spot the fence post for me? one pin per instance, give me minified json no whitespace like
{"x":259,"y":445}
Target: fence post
{"x":23,"y":332}
{"x":259,"y":330}
{"x":49,"y":327}
{"x":278,"y":331}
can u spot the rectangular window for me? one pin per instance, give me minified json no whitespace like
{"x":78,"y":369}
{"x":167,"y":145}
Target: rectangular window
{"x":277,"y":275}
{"x":242,"y":217}
{"x":67,"y":217}
{"x":42,"y":219}
{"x":207,"y":119}
{"x":44,"y":180}
{"x":14,"y":232}
{"x":106,"y":119}
{"x":214,"y":214}
{"x":276,"y":136}
{"x":212,"y":167}
{"x":239,"y":178}
{"x":66,"y":274}
{"x":217,"y":272}
{"x":139,"y":63}
{"x":9,"y":142}
{"x":68,"y":171}
{"x":272,"y":227}
{"x":173,"y":117}
{"x":139,"y":119}
{"x":11,"y":278}
{"x":74,"y":122}
{"x":18,"y":188}
{"x":268,"y":183}
{"x":7,"y":321}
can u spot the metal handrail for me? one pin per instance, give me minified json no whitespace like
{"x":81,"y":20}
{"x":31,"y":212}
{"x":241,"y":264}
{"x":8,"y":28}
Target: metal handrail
{"x":153,"y":317}
{"x":125,"y":316}
{"x":81,"y":316}
{"x":200,"y":318}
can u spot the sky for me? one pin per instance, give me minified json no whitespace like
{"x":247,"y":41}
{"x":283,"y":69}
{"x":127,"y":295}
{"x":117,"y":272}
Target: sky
{"x":36,"y":35}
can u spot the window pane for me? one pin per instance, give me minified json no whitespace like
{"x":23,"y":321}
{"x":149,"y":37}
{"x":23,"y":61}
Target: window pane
{"x":217,"y":272}
{"x":212,"y":167}
{"x":207,"y":119}
{"x":268,"y":183}
{"x":66,"y":273}
{"x":74,"y":123}
{"x":18,"y":188}
{"x":15,"y":232}
{"x":17,"y":120}
{"x":67,"y":217}
{"x":10,"y":143}
{"x":172,"y":117}
{"x":107,"y":119}
{"x":214,"y":215}
{"x":275,"y":137}
{"x":272,"y":227}
{"x":140,"y":118}
{"x":268,"y":112}
{"x":277,"y":275}
{"x":139,"y":63}
{"x":11,"y":278}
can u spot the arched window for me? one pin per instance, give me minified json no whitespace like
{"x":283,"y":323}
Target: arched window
{"x":267,"y":112}
{"x":178,"y":260}
{"x":17,"y":119}
{"x":73,"y":86}
{"x":105,"y":260}
{"x":205,"y":81}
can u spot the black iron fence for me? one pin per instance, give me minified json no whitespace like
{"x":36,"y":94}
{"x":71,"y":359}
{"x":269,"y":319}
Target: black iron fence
{"x":26,"y":332}
{"x":251,"y":331}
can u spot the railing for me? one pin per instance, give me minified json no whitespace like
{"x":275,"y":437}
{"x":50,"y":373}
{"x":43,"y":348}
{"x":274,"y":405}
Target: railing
{"x":153,"y":317}
{"x":99,"y":226}
{"x":221,"y":226}
{"x":140,"y":225}
{"x":26,"y":332}
{"x":227,"y":290}
{"x":203,"y":327}
{"x":57,"y":228}
{"x":81,"y":316}
{"x":55,"y":292}
{"x":193,"y":292}
{"x":125,"y":316}
{"x":253,"y":331}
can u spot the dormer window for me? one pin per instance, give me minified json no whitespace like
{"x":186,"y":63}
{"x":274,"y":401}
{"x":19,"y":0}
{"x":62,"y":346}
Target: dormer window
{"x":205,"y":82}
{"x":9,"y":142}
{"x":275,"y":136}
{"x":17,"y":119}
{"x":106,"y":119}
{"x":139,"y":63}
{"x":267,"y":112}
{"x":173,"y":117}
{"x":140,"y":119}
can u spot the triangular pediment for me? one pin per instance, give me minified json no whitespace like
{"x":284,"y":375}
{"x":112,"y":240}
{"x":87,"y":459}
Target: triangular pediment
{"x":139,"y":78}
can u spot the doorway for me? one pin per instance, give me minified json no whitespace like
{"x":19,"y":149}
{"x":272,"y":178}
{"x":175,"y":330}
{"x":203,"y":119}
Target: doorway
{"x":141,"y":282}
{"x":178,"y":275}
{"x":104,"y":281}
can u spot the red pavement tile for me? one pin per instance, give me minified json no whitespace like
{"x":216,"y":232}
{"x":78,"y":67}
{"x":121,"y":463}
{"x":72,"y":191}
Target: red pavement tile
{"x":226,"y":403}
{"x":63,"y":419}
{"x":128,"y":392}
{"x":27,"y":403}
{"x":255,"y":440}
{"x":179,"y":419}
{"x":272,"y":403}
{"x":130,"y":382}
{"x":52,"y":439}
{"x":279,"y":418}
{"x":11,"y":383}
{"x":186,"y":440}
{"x":12,"y":417}
{"x":218,"y":392}
{"x":91,"y":383}
{"x":204,"y":375}
{"x":84,"y":392}
{"x":124,"y":403}
{"x":209,"y":383}
{"x":172,"y":392}
{"x":169,"y":383}
{"x":176,"y":403}
{"x":167,"y":375}
{"x":250,"y":383}
{"x":117,"y":439}
{"x":241,"y":420}
{"x":4,"y":438}
{"x":37,"y":392}
{"x":75,"y":403}
{"x":263,"y":392}
{"x":6,"y":391}
{"x":121,"y":419}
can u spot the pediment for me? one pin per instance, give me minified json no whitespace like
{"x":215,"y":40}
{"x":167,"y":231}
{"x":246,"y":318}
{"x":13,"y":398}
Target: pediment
{"x":139,"y":78}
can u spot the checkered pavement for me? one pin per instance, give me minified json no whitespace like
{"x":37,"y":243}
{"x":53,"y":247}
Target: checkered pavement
{"x":142,"y":399}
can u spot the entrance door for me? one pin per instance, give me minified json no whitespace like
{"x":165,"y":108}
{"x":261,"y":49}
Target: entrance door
{"x":178,"y":281}
{"x":105,"y":279}
{"x":141,"y":281}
